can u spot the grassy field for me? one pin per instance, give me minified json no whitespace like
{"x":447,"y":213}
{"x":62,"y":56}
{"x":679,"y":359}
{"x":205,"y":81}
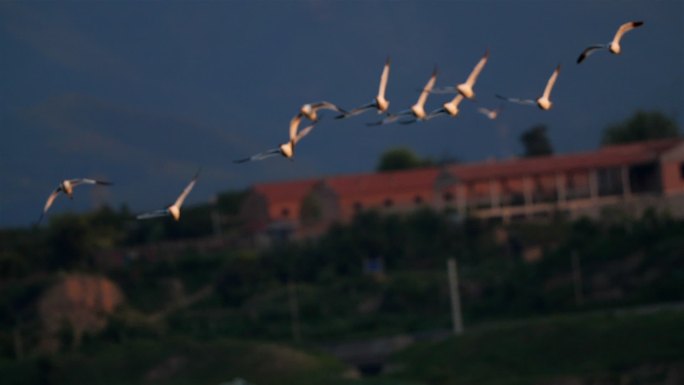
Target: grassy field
{"x":580,"y":347}
{"x":176,"y":361}
{"x":603,"y":349}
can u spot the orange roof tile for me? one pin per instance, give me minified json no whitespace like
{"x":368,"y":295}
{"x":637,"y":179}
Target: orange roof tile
{"x":608,"y":156}
{"x":290,"y":191}
{"x":361,"y":185}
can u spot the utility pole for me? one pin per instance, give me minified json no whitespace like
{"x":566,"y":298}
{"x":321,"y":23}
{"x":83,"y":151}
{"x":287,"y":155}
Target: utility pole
{"x":456,"y":314}
{"x":577,"y":279}
{"x":294,"y":311}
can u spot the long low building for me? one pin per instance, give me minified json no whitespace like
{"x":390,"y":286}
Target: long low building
{"x":629,"y":177}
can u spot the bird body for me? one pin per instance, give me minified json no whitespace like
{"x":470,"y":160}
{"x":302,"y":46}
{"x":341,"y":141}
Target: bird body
{"x":415,"y":112}
{"x":310,"y":110}
{"x":380,"y":102}
{"x":450,"y":108}
{"x":544,"y":101}
{"x":286,"y":149}
{"x":418,"y":109}
{"x":174,"y":209}
{"x":466,"y":88}
{"x":67,"y":187}
{"x":491,"y":114}
{"x":614,"y":45}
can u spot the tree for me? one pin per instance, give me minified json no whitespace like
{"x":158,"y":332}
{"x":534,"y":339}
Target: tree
{"x":401,"y":158}
{"x":643,"y":125}
{"x":536,"y":142}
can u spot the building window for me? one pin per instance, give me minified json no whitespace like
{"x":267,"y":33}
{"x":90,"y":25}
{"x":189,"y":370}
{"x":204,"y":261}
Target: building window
{"x":418,"y":199}
{"x":388,"y":202}
{"x":285,"y":213}
{"x":358,"y":206}
{"x":448,"y":196}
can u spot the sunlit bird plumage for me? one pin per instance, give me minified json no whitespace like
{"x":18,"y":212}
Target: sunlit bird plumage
{"x":174,"y":209}
{"x":67,"y":187}
{"x":380,"y":102}
{"x":417,"y":111}
{"x":614,"y":45}
{"x":544,"y":101}
{"x":286,"y":149}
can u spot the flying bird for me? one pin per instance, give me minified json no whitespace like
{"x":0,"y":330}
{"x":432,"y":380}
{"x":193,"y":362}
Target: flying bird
{"x":67,"y":187}
{"x":417,"y":111}
{"x":613,"y":46}
{"x":174,"y":209}
{"x":380,"y":103}
{"x":544,"y":101}
{"x":489,"y":113}
{"x":310,"y":110}
{"x":450,"y":108}
{"x":286,"y":149}
{"x":466,"y":89}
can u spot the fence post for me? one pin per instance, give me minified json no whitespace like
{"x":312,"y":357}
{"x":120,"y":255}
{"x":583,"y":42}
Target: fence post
{"x":456,"y":315}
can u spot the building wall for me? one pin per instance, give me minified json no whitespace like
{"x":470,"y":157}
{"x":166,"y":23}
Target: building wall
{"x":672,"y":170}
{"x":574,"y":185}
{"x":673,"y":177}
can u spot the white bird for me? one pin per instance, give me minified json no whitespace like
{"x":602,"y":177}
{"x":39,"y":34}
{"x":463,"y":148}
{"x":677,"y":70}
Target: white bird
{"x":310,"y":110}
{"x":286,"y":149}
{"x":450,"y":108}
{"x":613,"y":46}
{"x":380,"y":103}
{"x":174,"y":209}
{"x":417,"y":111}
{"x":489,"y":113}
{"x":466,"y":89}
{"x":67,"y":187}
{"x":544,"y":101}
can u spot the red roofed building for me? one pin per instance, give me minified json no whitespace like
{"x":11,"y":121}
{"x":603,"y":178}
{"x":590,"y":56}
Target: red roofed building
{"x":631,"y":177}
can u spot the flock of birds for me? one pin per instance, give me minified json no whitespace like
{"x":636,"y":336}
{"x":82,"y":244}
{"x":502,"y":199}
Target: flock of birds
{"x":413,"y":114}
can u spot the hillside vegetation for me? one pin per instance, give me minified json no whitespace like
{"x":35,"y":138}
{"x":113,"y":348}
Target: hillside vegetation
{"x":203,"y":304}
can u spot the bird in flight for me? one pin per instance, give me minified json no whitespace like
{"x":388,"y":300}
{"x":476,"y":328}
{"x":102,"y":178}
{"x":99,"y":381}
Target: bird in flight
{"x":489,"y":113}
{"x":466,"y":89}
{"x":380,"y":103}
{"x":450,"y":108}
{"x":67,"y":187}
{"x":613,"y":46}
{"x":286,"y":149}
{"x":417,"y":111}
{"x":174,"y":209}
{"x":544,"y":101}
{"x":310,"y":110}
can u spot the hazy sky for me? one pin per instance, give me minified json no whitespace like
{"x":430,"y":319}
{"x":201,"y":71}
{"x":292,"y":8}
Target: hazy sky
{"x":145,"y":93}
